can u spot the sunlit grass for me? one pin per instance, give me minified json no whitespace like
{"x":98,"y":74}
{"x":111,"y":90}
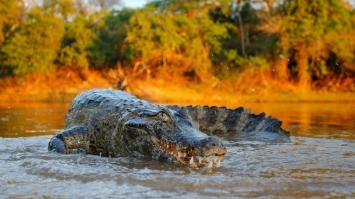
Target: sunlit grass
{"x":214,"y":96}
{"x":64,"y":85}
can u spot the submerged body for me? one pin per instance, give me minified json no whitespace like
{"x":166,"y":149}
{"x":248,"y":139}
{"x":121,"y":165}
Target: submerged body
{"x":112,"y":123}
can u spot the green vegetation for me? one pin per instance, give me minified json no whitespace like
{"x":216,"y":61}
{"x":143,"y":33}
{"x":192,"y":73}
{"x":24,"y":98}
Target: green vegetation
{"x":306,"y":43}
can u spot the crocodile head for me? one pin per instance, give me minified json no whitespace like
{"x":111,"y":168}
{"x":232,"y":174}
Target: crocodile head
{"x":167,"y":134}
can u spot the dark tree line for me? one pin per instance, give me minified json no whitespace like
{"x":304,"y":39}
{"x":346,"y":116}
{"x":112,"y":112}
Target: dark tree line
{"x":305,"y":41}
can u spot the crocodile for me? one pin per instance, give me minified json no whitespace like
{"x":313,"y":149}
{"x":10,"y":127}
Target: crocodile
{"x":115,"y":123}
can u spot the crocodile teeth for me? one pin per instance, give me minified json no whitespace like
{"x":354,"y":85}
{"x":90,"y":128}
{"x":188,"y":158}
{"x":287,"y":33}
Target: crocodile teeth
{"x":218,"y":164}
{"x":210,"y":165}
{"x":179,"y":155}
{"x":191,"y":161}
{"x":214,"y":159}
{"x":220,"y":158}
{"x":183,"y":155}
{"x":199,"y":159}
{"x":208,"y":159}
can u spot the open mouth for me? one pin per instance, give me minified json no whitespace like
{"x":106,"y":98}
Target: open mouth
{"x":189,"y":156}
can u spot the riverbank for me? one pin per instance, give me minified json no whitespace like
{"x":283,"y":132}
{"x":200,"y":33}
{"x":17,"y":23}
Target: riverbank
{"x":198,"y":95}
{"x":64,"y":85}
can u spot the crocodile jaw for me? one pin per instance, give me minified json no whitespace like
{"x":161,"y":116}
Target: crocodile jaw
{"x":191,"y":157}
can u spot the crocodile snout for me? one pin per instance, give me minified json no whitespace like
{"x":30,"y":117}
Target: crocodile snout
{"x":199,"y":151}
{"x":211,"y":146}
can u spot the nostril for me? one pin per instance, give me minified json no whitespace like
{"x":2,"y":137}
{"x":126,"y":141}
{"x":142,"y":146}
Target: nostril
{"x":213,"y":144}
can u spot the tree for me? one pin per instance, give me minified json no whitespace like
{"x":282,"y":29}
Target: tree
{"x":106,"y":48}
{"x":240,"y":22}
{"x":11,"y":16}
{"x":76,"y":41}
{"x":181,"y":35}
{"x":309,"y":34}
{"x":35,"y":46}
{"x":245,"y":46}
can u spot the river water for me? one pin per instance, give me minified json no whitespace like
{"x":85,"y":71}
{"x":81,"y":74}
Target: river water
{"x":319,"y":161}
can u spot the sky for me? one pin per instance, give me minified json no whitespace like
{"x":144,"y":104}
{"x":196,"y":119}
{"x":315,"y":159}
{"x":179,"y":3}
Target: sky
{"x":134,"y":3}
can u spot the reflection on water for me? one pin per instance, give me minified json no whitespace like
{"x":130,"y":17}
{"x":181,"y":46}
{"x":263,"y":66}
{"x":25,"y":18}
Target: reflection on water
{"x":31,"y":119}
{"x":322,"y":120}
{"x":318,"y":162}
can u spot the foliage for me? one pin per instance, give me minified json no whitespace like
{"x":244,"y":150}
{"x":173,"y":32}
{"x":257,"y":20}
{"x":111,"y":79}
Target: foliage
{"x":35,"y":45}
{"x":302,"y":41}
{"x":312,"y":33}
{"x":106,"y":47}
{"x":10,"y":17}
{"x":77,"y":38}
{"x":194,"y":36}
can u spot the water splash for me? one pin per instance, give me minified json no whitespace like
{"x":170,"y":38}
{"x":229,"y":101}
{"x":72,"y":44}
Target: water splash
{"x":307,"y":166}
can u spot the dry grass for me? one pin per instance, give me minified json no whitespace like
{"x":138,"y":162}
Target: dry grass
{"x":62,"y":85}
{"x":56,"y":85}
{"x":164,"y":93}
{"x":247,"y":86}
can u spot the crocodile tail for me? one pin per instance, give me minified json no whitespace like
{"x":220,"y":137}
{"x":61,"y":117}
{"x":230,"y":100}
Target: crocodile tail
{"x":221,"y":120}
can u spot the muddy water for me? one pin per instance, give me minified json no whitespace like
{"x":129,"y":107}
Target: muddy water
{"x":320,"y":160}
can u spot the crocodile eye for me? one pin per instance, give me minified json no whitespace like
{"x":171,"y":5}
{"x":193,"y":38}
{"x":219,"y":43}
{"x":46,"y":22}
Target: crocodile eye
{"x":164,"y":117}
